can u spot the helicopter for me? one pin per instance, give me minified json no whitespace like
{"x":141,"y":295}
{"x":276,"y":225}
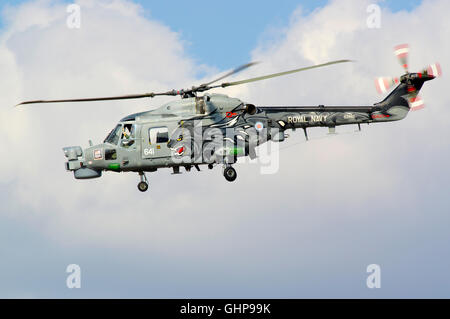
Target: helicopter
{"x":215,"y":129}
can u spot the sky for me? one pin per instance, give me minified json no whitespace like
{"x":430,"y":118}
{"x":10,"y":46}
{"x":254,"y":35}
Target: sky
{"x":223,"y":34}
{"x":336,"y":205}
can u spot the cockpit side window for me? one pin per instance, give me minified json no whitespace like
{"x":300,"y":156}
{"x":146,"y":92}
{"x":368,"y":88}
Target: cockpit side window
{"x":158,"y":135}
{"x":113,"y":137}
{"x":128,"y":135}
{"x":162,"y":137}
{"x":128,"y":131}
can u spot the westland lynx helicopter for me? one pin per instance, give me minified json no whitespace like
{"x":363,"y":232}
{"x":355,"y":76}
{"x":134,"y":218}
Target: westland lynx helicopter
{"x":216,"y":129}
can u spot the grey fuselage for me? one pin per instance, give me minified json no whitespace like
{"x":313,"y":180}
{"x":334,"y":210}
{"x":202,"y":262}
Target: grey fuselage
{"x":145,"y":142}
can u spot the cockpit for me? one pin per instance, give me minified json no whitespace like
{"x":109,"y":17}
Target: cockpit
{"x":123,"y":132}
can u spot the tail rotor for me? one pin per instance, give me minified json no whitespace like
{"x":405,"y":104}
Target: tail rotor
{"x":433,"y":70}
{"x":384,"y":84}
{"x":402,"y":53}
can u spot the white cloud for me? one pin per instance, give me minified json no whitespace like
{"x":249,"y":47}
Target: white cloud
{"x":41,"y":57}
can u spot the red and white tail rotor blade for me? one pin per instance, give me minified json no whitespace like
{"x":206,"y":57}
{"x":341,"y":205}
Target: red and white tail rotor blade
{"x":384,"y":84}
{"x":402,"y":52}
{"x":434,"y":70}
{"x":416,"y":103}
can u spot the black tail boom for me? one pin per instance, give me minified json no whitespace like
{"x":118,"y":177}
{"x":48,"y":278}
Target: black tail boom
{"x":393,"y":108}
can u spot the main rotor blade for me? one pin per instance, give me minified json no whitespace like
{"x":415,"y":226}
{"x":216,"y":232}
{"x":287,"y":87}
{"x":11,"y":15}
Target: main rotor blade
{"x":237,"y":70}
{"x":110,"y":98}
{"x":265,"y":77}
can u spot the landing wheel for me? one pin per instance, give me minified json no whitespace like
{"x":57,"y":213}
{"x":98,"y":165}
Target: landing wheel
{"x":230,"y":174}
{"x":143,"y":186}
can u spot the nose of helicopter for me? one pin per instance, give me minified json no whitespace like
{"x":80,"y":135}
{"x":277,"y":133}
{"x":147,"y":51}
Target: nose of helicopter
{"x":75,"y":163}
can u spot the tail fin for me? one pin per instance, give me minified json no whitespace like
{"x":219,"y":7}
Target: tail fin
{"x":397,"y":104}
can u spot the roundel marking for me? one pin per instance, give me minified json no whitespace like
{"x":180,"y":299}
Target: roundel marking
{"x":259,"y":126}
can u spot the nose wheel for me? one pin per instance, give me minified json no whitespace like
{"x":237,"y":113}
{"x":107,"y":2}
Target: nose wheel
{"x":230,"y":173}
{"x":143,"y":184}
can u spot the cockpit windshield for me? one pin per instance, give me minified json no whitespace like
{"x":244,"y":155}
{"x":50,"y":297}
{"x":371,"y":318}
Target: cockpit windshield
{"x":113,"y":137}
